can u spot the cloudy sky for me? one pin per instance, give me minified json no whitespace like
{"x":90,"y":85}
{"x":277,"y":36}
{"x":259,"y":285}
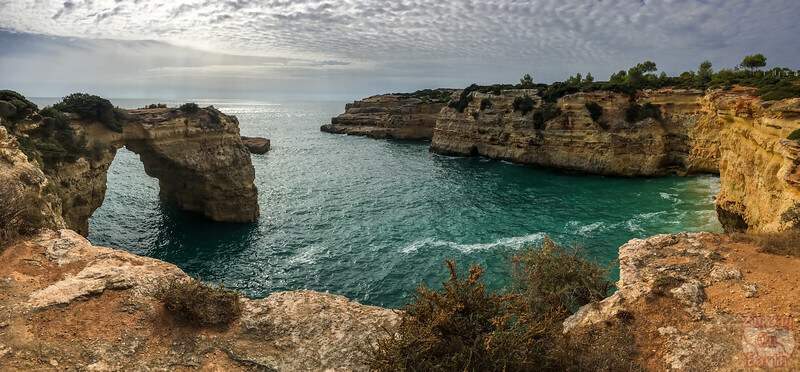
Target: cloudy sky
{"x":347,"y":49}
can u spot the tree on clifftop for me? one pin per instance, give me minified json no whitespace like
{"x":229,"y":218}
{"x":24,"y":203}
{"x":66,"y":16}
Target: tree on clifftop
{"x":753,"y":62}
{"x":526,"y":82}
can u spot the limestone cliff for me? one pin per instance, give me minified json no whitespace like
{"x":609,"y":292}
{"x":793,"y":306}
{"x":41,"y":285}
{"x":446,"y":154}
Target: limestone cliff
{"x":199,"y":159}
{"x":572,"y":140}
{"x":726,"y":132}
{"x":388,"y":116}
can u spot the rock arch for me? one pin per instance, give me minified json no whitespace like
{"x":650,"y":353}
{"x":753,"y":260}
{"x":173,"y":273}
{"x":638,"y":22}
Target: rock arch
{"x":199,"y":160}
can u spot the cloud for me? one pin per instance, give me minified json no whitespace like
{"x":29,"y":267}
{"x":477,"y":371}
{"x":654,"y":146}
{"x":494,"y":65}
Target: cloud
{"x":444,"y":43}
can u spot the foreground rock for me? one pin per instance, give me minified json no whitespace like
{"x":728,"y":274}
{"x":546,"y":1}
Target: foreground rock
{"x":199,"y":159}
{"x":703,"y":302}
{"x":388,"y":116}
{"x":67,"y":305}
{"x":256,"y":145}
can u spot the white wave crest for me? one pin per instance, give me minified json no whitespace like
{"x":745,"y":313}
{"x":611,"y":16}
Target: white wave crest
{"x":308,"y":255}
{"x":512,"y":242}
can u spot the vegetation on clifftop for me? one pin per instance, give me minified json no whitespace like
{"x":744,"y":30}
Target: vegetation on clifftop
{"x":94,"y":108}
{"x":429,"y":95}
{"x":463,"y":327}
{"x":777,"y":83}
{"x":45,"y":135}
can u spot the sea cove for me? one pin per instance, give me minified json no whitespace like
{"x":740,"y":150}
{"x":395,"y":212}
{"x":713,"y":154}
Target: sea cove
{"x":371,"y":219}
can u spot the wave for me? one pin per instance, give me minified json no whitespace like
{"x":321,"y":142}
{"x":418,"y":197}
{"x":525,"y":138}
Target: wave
{"x":512,"y":242}
{"x":308,"y":255}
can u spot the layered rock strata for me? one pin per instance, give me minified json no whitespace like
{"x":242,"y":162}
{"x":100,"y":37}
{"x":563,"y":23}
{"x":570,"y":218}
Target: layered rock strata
{"x":387,"y":116}
{"x":728,"y":132}
{"x":68,"y":305}
{"x":199,"y":159}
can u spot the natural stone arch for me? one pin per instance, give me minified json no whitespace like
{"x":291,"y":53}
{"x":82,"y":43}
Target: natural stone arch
{"x":198,"y":158}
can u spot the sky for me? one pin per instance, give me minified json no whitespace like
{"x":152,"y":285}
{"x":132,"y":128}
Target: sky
{"x":349,"y":49}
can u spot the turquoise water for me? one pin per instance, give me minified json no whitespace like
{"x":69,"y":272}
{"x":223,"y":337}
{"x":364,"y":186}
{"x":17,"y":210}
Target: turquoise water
{"x":371,"y":219}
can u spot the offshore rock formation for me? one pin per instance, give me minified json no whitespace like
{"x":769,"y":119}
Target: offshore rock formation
{"x":727,"y":132}
{"x":256,"y":145}
{"x":68,"y":305}
{"x":387,"y":116}
{"x":199,"y":159}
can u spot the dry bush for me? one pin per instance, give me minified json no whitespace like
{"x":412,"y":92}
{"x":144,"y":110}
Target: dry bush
{"x":464,"y":328}
{"x":785,"y":242}
{"x":600,"y":347}
{"x":200,"y":304}
{"x":461,"y":328}
{"x":17,"y":220}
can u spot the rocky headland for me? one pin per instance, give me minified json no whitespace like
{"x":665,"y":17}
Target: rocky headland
{"x":391,"y":116}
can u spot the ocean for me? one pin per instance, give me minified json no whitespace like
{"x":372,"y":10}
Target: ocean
{"x":372,"y":219}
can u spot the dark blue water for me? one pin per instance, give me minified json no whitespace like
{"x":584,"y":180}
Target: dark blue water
{"x":371,"y":219}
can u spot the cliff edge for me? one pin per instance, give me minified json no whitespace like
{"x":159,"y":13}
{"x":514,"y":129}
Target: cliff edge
{"x":392,"y":116}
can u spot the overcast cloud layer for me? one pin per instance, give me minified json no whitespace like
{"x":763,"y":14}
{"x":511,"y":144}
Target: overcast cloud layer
{"x":348,"y":48}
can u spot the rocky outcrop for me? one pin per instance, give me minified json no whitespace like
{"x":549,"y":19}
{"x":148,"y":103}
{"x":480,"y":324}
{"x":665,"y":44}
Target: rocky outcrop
{"x":256,"y":145}
{"x":727,"y":132}
{"x":691,"y":300}
{"x":199,"y":159}
{"x":759,"y":168}
{"x":388,"y":116}
{"x":572,"y":140}
{"x":67,"y":305}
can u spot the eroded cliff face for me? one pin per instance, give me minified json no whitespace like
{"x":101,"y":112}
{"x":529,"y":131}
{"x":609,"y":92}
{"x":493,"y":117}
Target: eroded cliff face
{"x":28,"y":199}
{"x":68,"y":305}
{"x":759,"y":168}
{"x":387,"y":116}
{"x":199,"y":159}
{"x":726,"y":132}
{"x":572,"y":140}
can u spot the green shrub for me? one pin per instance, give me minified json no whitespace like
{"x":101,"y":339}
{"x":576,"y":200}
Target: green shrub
{"x":636,"y":112}
{"x":200,"y":304}
{"x":94,"y":108}
{"x":189,"y":107}
{"x":485,"y":104}
{"x":22,"y":108}
{"x":464,"y":98}
{"x":791,"y":216}
{"x":542,"y":115}
{"x":428,"y":95}
{"x":795,"y":135}
{"x":595,"y":110}
{"x":523,"y":105}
